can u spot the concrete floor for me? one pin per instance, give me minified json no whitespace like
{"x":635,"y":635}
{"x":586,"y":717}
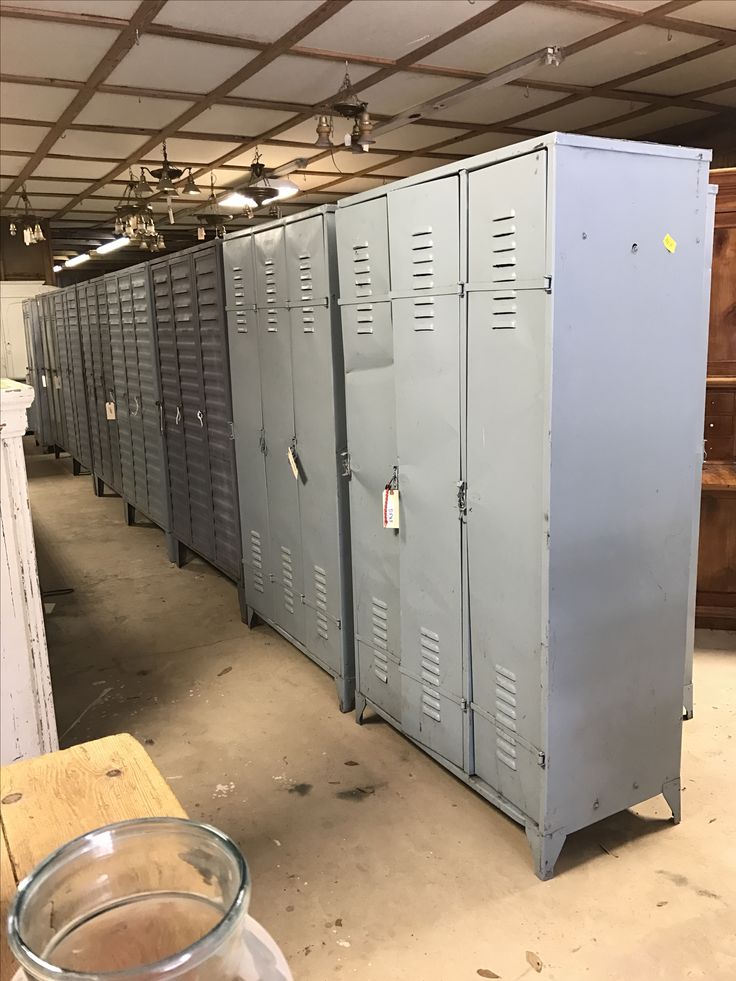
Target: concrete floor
{"x":368,"y":859}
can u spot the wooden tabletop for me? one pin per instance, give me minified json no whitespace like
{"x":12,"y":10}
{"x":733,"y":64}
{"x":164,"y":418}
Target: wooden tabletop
{"x":46,"y":801}
{"x":719,"y":477}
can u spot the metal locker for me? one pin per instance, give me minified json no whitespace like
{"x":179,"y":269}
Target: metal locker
{"x":106,"y":388}
{"x":56,"y":406}
{"x":197,"y":410}
{"x":31,"y":375}
{"x":77,"y":369}
{"x":288,"y":402}
{"x":544,"y":567}
{"x":120,"y":383}
{"x":89,"y":327}
{"x":62,"y":348}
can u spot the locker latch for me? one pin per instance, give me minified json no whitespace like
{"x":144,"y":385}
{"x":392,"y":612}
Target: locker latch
{"x":462,"y":497}
{"x":231,"y":434}
{"x":541,"y":759}
{"x":347,"y":471}
{"x":262,"y":441}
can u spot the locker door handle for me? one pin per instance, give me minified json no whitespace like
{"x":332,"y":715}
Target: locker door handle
{"x":178,"y":415}
{"x":200,"y":417}
{"x":137,"y":406}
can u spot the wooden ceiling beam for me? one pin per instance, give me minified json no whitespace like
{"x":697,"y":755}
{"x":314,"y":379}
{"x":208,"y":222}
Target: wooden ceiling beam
{"x":657,"y":16}
{"x":303,"y":28}
{"x":122,"y":44}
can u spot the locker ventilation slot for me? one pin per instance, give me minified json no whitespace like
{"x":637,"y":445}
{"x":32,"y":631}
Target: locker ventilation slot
{"x":362,"y":270}
{"x":506,"y":716}
{"x":503,"y":311}
{"x":305,"y":278}
{"x":429,"y":643}
{"x":308,"y":319}
{"x":379,"y":614}
{"x":320,"y":594}
{"x":380,"y":666}
{"x":422,"y":260}
{"x":256,"y":560}
{"x":503,"y":248}
{"x":424,"y":315}
{"x":270,"y":282}
{"x":365,"y":319}
{"x":288,"y":578}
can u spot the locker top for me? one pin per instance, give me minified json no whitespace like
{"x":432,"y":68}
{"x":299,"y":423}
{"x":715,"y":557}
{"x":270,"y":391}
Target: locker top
{"x":322,"y":209}
{"x":529,"y":146}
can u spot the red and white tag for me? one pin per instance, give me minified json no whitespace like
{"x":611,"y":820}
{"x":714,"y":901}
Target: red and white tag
{"x":390,"y":508}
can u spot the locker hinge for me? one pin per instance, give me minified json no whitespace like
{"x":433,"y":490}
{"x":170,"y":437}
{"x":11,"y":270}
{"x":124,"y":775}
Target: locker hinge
{"x":262,"y":441}
{"x":462,"y":498}
{"x":231,"y":434}
{"x":464,"y":704}
{"x":347,"y":471}
{"x":541,"y":759}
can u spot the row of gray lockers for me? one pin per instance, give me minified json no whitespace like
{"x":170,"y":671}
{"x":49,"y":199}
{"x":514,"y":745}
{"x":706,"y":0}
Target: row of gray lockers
{"x":462,"y":373}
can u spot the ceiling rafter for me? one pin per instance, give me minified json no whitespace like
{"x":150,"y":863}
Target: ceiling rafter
{"x":122,"y":44}
{"x":657,"y":16}
{"x":304,"y":27}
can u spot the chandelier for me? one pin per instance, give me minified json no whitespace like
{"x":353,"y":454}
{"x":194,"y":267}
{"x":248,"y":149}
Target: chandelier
{"x":26,"y":221}
{"x":212,"y":218}
{"x":346,"y":105}
{"x":134,"y":218}
{"x":265,"y":186}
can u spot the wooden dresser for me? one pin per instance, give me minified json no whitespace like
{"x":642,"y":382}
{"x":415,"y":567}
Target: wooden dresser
{"x":716,"y":597}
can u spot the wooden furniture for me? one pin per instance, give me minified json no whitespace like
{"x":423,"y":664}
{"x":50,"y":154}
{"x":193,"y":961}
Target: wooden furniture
{"x":46,"y":801}
{"x":27,"y":720}
{"x":716,"y":595}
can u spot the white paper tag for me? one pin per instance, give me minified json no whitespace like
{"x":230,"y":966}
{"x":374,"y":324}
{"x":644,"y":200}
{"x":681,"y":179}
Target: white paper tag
{"x":292,"y":463}
{"x":110,"y":410}
{"x":57,"y":382}
{"x":43,"y":380}
{"x":390,"y":508}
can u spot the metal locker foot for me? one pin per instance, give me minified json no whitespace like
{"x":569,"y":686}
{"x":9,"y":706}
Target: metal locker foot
{"x":251,"y":617}
{"x":345,"y":694}
{"x":687,"y":702}
{"x":57,"y":452}
{"x":671,"y":793}
{"x":129,"y":513}
{"x":98,"y":485}
{"x":360,"y":707}
{"x":242,"y":602}
{"x":76,"y":467}
{"x":545,"y":851}
{"x":176,"y":552}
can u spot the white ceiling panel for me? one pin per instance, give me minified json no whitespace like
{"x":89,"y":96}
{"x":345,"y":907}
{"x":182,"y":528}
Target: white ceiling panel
{"x":415,"y":136}
{"x":347,"y":162}
{"x":482,"y":144}
{"x":110,"y":8}
{"x":5,"y":182}
{"x":722,"y":13}
{"x":181,"y":66}
{"x":489,"y":105}
{"x":631,"y":51}
{"x":410,"y":166}
{"x":697,"y":74}
{"x":34,"y":101}
{"x":72,"y":168}
{"x":357,"y":184}
{"x":405,"y":90}
{"x":264,"y":20}
{"x":305,"y":79}
{"x":239,"y":122}
{"x":41,"y":203}
{"x":38,"y":186}
{"x":52,"y":50}
{"x":11,"y":164}
{"x":225,"y":178}
{"x":368,"y":28}
{"x":580,"y":114}
{"x":651,"y":123}
{"x":130,"y":110}
{"x":90,"y":144}
{"x":520,"y":32}
{"x":182,"y":151}
{"x":24,"y":138}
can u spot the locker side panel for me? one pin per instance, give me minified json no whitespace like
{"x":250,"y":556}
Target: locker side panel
{"x":107,"y":386}
{"x":87,"y":312}
{"x":76,"y":364}
{"x":248,"y":423}
{"x":117,"y":312}
{"x":270,"y":268}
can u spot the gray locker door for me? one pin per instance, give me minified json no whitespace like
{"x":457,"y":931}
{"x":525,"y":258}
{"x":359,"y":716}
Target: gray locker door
{"x":248,"y":418}
{"x":312,"y":352}
{"x":89,"y":328}
{"x":506,"y":534}
{"x":70,"y":440}
{"x":371,"y":420}
{"x":40,"y":373}
{"x":78,"y":372}
{"x":306,"y":262}
{"x":507,"y":222}
{"x":30,"y":370}
{"x":427,"y":347}
{"x":52,"y":359}
{"x":363,"y":258}
{"x":424,"y":228}
{"x":133,"y":396}
{"x":274,"y":342}
{"x":270,"y":268}
{"x":120,"y":378}
{"x":107,"y":384}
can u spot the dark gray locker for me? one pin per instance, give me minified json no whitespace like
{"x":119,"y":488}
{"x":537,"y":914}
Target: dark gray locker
{"x":77,"y":377}
{"x":56,"y":405}
{"x":137,"y":398}
{"x":288,"y":401}
{"x":191,"y":334}
{"x":87,"y":318}
{"x":31,"y":373}
{"x":67,"y":394}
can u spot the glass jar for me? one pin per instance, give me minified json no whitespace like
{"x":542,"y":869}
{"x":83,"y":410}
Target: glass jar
{"x":145,"y":900}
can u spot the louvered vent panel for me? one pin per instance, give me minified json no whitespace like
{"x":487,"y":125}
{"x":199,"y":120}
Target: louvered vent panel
{"x":320,"y":597}
{"x":256,"y":560}
{"x":422,"y":259}
{"x":503,"y":248}
{"x":362,"y":270}
{"x":379,"y":616}
{"x":506,"y":716}
{"x":287,"y":576}
{"x":429,"y":643}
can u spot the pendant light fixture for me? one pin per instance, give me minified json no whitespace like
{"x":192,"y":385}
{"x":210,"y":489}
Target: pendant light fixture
{"x":265,"y":185}
{"x":213,"y":217}
{"x":166,"y":174}
{"x":346,"y":105}
{"x":134,"y":218}
{"x":25,"y":221}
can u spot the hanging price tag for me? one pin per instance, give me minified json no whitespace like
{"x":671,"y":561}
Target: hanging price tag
{"x":110,"y":410}
{"x":57,"y":382}
{"x":292,"y":462}
{"x":43,"y":380}
{"x":390,"y":508}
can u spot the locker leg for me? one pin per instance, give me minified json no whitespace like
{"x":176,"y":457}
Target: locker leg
{"x":50,"y":449}
{"x":76,"y":467}
{"x":360,"y":706}
{"x":545,"y":851}
{"x":671,"y":793}
{"x":98,"y":485}
{"x":687,"y":702}
{"x":57,"y":452}
{"x":251,"y":617}
{"x":129,"y":513}
{"x":345,"y":694}
{"x":176,"y":551}
{"x":242,"y":602}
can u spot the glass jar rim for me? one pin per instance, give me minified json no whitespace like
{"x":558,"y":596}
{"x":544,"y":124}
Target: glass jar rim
{"x":187,"y":958}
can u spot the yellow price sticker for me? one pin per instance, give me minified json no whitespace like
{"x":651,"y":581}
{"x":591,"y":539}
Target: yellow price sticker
{"x":669,"y":243}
